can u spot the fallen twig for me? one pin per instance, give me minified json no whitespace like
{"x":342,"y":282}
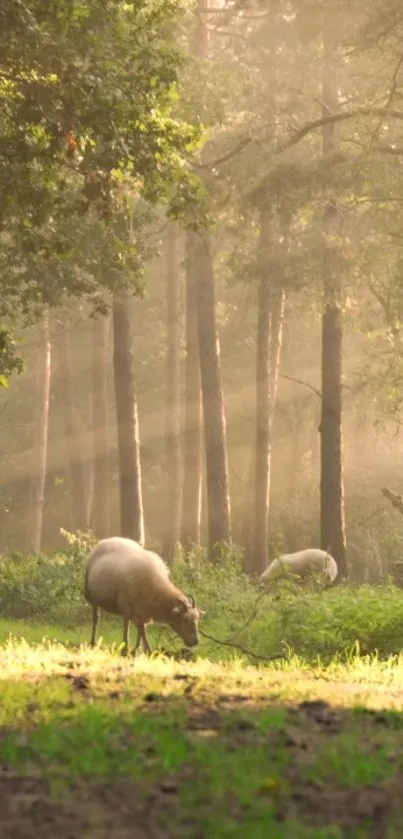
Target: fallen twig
{"x":243,"y":649}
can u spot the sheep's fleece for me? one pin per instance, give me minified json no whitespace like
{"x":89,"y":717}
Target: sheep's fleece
{"x":112,"y":559}
{"x":123,"y":578}
{"x":302,"y":563}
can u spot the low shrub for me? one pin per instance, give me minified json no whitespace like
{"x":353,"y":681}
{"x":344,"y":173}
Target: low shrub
{"x":312,"y":624}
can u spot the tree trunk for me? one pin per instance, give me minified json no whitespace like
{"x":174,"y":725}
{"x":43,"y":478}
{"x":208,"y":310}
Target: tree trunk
{"x":41,"y":430}
{"x":131,"y":501}
{"x":173,"y":396}
{"x":192,"y":422}
{"x":268,"y":347}
{"x":218,"y":501}
{"x":100,"y":434}
{"x":73,"y":441}
{"x":192,"y":471}
{"x":332,"y":524}
{"x":89,"y":494}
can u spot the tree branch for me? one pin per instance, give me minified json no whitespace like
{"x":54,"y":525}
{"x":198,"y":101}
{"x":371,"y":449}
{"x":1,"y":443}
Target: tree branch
{"x":395,"y":499}
{"x":300,"y":382}
{"x":246,"y":141}
{"x":330,"y":119}
{"x":298,"y":135}
{"x":379,"y":297}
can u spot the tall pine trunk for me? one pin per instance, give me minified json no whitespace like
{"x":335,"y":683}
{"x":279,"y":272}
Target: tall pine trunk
{"x":270,"y":319}
{"x":173,"y":395}
{"x":100,"y":431}
{"x":73,"y":438}
{"x":332,"y":522}
{"x":192,"y":421}
{"x":130,"y":487}
{"x":218,"y":500}
{"x":41,"y":433}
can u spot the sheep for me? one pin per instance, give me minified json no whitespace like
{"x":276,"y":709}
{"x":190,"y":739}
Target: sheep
{"x":302,"y":564}
{"x":122,"y":578}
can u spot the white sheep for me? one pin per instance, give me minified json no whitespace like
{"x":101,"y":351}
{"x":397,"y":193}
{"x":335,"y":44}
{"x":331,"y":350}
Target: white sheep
{"x":123,"y":578}
{"x":302,"y":564}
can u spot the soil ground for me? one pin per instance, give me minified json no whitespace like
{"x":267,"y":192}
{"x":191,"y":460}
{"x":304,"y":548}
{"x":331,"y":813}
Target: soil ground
{"x":95,"y":747}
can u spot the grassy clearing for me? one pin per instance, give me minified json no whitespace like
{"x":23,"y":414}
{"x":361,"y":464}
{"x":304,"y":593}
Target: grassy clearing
{"x":201,"y":749}
{"x":93,"y":745}
{"x":44,"y":590}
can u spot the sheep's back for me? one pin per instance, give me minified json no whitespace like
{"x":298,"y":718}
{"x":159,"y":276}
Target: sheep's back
{"x":300,"y":562}
{"x":118,"y":565}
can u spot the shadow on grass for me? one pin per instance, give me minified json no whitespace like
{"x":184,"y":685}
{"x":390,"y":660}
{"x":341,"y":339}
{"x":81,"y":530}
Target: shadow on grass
{"x":162,"y":757}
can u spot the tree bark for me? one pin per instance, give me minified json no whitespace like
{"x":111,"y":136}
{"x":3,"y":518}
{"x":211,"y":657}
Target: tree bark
{"x":192,"y":421}
{"x":218,"y":500}
{"x":271,"y":305}
{"x":332,"y":522}
{"x":89,"y":494}
{"x":73,"y":440}
{"x":192,"y":426}
{"x":100,"y":433}
{"x":41,"y":433}
{"x":131,"y":501}
{"x":173,"y":396}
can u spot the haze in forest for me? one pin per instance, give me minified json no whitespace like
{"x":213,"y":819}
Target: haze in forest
{"x":298,"y":273}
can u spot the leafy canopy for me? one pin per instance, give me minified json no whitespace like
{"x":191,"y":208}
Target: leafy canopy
{"x":89,"y":141}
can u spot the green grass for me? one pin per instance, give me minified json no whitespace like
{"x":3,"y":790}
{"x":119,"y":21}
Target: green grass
{"x":207,"y":748}
{"x":306,"y":747}
{"x":43,"y":590}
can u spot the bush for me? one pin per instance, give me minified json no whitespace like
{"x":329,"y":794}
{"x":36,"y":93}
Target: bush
{"x":49,"y":589}
{"x":44,"y":588}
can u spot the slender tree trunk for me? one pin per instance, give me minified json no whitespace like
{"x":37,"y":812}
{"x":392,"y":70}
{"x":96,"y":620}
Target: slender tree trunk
{"x":173,"y":396}
{"x":271,"y":305}
{"x":100,"y":434}
{"x":73,"y":441}
{"x":131,"y":501}
{"x":192,"y":421}
{"x":41,"y":432}
{"x":218,"y":500}
{"x":192,"y":426}
{"x":332,"y":523}
{"x":89,"y":494}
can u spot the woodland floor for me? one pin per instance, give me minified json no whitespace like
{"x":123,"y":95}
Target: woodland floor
{"x":95,"y":746}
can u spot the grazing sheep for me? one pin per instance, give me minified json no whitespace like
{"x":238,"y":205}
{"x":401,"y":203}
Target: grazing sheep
{"x":123,"y":578}
{"x":302,"y":564}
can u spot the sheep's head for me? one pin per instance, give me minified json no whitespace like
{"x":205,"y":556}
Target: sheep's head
{"x":184,"y":620}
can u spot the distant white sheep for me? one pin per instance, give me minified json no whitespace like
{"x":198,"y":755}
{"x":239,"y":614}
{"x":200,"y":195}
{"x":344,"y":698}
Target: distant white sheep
{"x":123,"y":578}
{"x":302,"y":564}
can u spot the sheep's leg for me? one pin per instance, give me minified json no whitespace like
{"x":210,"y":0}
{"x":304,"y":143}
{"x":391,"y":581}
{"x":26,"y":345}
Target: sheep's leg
{"x":138,"y":639}
{"x":142,"y":637}
{"x":126,"y":628}
{"x":95,"y":622}
{"x":146,"y":642}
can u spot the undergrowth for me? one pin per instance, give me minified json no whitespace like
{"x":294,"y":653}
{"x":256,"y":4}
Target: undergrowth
{"x":48,"y":590}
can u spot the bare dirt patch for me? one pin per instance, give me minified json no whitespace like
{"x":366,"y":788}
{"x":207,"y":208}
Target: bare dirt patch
{"x":31,"y":809}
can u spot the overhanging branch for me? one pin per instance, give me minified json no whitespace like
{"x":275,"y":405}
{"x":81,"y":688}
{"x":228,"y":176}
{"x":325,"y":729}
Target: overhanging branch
{"x":330,"y":119}
{"x":395,"y":499}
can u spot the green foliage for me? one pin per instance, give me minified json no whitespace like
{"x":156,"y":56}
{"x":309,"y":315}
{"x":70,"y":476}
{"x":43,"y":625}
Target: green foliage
{"x":80,"y":542}
{"x":89,"y":142}
{"x":10,"y":360}
{"x":309,"y":623}
{"x":44,"y":588}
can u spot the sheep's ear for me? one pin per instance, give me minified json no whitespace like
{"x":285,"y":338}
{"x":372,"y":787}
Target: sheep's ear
{"x":202,"y":613}
{"x":180,"y":607}
{"x":191,"y":600}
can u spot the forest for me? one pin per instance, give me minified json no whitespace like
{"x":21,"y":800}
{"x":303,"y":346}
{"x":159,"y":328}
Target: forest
{"x":201,"y":335}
